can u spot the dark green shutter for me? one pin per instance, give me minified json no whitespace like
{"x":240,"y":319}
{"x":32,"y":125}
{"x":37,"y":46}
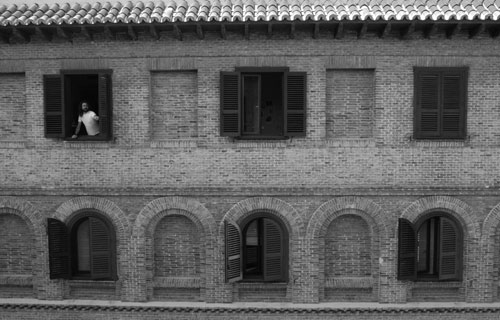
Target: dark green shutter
{"x":233,"y":268}
{"x":104,"y":101}
{"x":101,"y":250}
{"x":230,"y":104}
{"x":295,"y":105}
{"x":453,"y":111}
{"x":59,"y":253}
{"x":273,"y":251}
{"x":440,"y":102}
{"x":427,"y":105}
{"x":407,"y":251}
{"x":449,"y":250}
{"x":53,"y":106}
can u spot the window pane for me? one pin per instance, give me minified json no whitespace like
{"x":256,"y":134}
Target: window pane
{"x":251,"y":101}
{"x":83,"y":246}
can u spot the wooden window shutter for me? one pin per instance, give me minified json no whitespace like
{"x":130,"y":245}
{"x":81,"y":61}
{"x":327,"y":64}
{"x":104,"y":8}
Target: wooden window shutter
{"x":273,"y":251}
{"x":59,"y":251}
{"x":104,"y":107}
{"x":295,"y":110}
{"x":427,"y":115}
{"x":449,"y":250}
{"x":230,"y":104}
{"x":453,"y":112}
{"x":53,"y":106}
{"x":407,"y":251}
{"x":101,"y":250}
{"x":234,"y":270}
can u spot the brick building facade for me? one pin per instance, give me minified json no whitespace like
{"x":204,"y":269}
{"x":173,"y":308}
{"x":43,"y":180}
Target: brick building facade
{"x":316,"y":188}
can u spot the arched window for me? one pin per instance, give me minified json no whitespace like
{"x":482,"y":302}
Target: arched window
{"x":256,"y":251}
{"x":430,"y":249}
{"x":84,"y":249}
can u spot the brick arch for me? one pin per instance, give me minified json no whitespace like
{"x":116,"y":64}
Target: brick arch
{"x":453,"y":206}
{"x":108,"y":209}
{"x":491,"y":252}
{"x":25,"y":211}
{"x":35,"y":224}
{"x":370,"y":212}
{"x":276,"y":207}
{"x":157,"y":209}
{"x":147,"y":221}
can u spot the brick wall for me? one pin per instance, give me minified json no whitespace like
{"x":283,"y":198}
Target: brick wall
{"x":349,"y":103}
{"x":13,"y":107}
{"x":174,"y":101}
{"x":341,"y":196}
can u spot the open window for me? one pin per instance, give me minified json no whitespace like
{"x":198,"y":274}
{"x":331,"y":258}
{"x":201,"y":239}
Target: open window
{"x":257,"y":252}
{"x":431,"y":249}
{"x":84,"y":249}
{"x":263,"y":103}
{"x":63,"y":95}
{"x":440,"y":103}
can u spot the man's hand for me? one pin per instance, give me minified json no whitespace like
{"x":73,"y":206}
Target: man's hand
{"x":74,"y":136}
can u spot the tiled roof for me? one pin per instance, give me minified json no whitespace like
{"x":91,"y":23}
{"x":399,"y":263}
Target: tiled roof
{"x":248,"y":11}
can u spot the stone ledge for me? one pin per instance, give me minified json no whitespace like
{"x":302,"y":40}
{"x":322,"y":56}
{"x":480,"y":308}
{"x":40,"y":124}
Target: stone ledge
{"x":16,"y":280}
{"x":177,"y":282}
{"x":249,"y":308}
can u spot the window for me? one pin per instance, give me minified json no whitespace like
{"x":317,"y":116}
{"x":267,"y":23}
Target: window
{"x":263,"y":103}
{"x":431,"y":249}
{"x":440,"y":103}
{"x":257,"y":252}
{"x":63,"y":94}
{"x":85,"y":249}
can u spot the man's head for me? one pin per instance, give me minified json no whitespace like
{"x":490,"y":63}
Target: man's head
{"x":85,"y":106}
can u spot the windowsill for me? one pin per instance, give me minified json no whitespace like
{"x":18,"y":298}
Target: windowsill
{"x":88,"y":138}
{"x":259,"y":137}
{"x":16,"y":280}
{"x":439,"y":142}
{"x":91,"y":283}
{"x":174,"y":143}
{"x":245,"y":284}
{"x":177,"y":282}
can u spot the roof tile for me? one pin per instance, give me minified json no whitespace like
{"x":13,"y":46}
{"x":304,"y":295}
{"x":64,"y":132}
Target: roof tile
{"x":249,"y":10}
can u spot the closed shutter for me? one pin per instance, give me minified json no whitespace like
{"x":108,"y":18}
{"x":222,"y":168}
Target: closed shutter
{"x":104,"y":101}
{"x":407,"y":251}
{"x":59,"y":254}
{"x":273,"y":251}
{"x":230,"y":104}
{"x":295,"y":110}
{"x":427,"y":105}
{"x":101,"y":250}
{"x":233,"y":252}
{"x":440,"y":102}
{"x":449,"y":250}
{"x":453,"y":124}
{"x":53,"y":106}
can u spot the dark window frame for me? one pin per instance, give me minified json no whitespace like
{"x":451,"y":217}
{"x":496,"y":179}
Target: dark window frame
{"x":434,"y":117}
{"x":60,"y":108}
{"x":68,"y":260}
{"x":408,"y":248}
{"x":293,"y":99}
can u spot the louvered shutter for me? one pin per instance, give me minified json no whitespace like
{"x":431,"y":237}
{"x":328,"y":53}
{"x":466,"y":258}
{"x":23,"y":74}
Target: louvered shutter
{"x":59,"y":250}
{"x":101,"y":250}
{"x":453,"y":111}
{"x":449,"y":254}
{"x":234,"y":271}
{"x":230,"y":104}
{"x":104,"y":107}
{"x":295,"y":110}
{"x":273,"y":251}
{"x":427,"y":105}
{"x":407,"y":251}
{"x":53,"y":106}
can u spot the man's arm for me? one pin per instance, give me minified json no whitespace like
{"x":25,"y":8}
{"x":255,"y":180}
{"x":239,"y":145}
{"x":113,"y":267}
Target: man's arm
{"x":77,"y":130}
